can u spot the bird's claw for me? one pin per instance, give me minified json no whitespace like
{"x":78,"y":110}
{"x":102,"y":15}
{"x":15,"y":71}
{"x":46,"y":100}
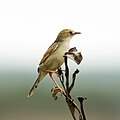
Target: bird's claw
{"x":55,"y":90}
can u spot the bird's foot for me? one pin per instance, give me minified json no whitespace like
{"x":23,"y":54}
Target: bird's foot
{"x":57,"y":89}
{"x":60,"y":72}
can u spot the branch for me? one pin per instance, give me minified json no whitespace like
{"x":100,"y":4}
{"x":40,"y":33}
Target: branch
{"x":66,"y":74}
{"x":73,"y":78}
{"x":80,"y":99}
{"x":77,"y":57}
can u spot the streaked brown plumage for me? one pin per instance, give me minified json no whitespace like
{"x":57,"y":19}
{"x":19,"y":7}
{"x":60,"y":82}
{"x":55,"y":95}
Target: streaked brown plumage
{"x":53,"y":58}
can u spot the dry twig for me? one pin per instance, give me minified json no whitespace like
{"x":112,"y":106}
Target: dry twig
{"x":77,"y":57}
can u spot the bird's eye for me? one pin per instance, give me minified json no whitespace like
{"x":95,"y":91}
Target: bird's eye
{"x":71,"y":32}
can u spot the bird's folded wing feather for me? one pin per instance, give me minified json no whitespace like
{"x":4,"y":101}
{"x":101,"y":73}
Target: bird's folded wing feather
{"x":50,"y":50}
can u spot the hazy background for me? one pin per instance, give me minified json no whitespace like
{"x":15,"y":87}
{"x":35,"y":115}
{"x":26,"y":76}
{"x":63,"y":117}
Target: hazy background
{"x":28,"y":27}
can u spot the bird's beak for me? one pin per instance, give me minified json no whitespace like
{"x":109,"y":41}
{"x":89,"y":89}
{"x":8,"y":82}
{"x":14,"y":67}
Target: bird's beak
{"x":77,"y":33}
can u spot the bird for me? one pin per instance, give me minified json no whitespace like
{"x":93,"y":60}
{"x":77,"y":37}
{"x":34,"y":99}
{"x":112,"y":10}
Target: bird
{"x":53,"y":58}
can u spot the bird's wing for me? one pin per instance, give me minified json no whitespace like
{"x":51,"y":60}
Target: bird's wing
{"x":50,"y":50}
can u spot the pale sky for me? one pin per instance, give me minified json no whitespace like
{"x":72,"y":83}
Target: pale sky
{"x":28,"y":28}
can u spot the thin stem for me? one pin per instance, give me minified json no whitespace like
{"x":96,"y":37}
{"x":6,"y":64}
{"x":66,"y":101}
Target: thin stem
{"x":81,"y":106}
{"x":73,"y":80}
{"x":66,"y":73}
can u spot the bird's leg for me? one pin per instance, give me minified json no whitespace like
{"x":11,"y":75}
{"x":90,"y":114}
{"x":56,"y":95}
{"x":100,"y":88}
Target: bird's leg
{"x":51,"y":71}
{"x":56,"y":72}
{"x":57,"y":87}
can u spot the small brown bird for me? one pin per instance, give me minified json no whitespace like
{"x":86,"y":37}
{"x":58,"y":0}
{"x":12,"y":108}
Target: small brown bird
{"x":53,"y":58}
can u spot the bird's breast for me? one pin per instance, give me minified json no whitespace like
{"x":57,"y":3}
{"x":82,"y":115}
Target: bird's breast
{"x":55,"y":60}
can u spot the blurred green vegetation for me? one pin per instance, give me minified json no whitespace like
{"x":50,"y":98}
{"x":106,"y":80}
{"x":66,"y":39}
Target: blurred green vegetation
{"x":101,"y":89}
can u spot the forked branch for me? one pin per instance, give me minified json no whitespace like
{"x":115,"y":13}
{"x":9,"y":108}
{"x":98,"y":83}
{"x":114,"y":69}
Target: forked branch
{"x":77,"y":57}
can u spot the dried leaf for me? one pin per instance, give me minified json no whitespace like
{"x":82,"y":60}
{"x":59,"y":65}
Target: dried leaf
{"x":74,"y":55}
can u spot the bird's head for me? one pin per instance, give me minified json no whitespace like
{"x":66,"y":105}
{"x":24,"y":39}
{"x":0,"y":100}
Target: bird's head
{"x":66,"y":34}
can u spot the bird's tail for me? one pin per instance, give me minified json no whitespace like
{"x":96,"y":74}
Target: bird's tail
{"x":35,"y":85}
